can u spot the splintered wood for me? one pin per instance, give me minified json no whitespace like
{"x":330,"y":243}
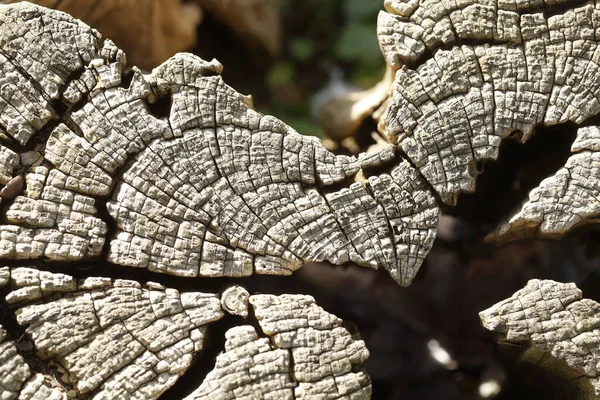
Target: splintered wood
{"x":552,"y":318}
{"x":118,"y":339}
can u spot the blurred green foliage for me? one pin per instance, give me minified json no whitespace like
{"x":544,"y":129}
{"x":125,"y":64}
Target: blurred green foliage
{"x":318,"y":36}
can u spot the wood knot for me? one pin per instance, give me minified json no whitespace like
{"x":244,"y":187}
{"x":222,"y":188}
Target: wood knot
{"x":234,"y":300}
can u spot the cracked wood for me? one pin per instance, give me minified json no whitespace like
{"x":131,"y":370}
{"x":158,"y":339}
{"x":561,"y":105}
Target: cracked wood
{"x":207,"y":188}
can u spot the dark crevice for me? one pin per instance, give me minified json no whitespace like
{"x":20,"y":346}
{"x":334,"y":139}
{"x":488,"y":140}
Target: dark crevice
{"x":507,"y":181}
{"x":25,"y":347}
{"x":591,"y":285}
{"x":58,"y":106}
{"x":80,"y":104}
{"x":363,"y":135}
{"x":7,"y":141}
{"x":127,"y":78}
{"x":161,"y":108}
{"x":586,"y":237}
{"x":42,"y":135}
{"x":214,"y":344}
{"x":111,"y":226}
{"x":68,"y":121}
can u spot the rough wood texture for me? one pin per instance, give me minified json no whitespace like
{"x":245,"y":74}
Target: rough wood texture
{"x":16,"y":378}
{"x":454,"y":99}
{"x":302,"y":352}
{"x":117,"y":339}
{"x":568,"y":199}
{"x":212,"y":188}
{"x":174,"y":172}
{"x":552,"y":318}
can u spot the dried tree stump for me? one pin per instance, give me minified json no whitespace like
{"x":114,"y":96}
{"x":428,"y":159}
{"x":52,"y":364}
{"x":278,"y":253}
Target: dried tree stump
{"x":174,"y":173}
{"x":559,"y":329}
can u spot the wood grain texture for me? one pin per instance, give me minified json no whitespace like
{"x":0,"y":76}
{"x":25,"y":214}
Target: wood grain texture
{"x":210,"y":188}
{"x":119,"y":339}
{"x":554,"y":319}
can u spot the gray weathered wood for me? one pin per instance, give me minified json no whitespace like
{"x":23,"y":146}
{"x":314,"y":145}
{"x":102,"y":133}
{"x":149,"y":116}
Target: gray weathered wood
{"x":302,"y":353}
{"x":174,"y":172}
{"x":118,"y":339}
{"x":212,"y":188}
{"x":553,"y":319}
{"x":454,"y":99}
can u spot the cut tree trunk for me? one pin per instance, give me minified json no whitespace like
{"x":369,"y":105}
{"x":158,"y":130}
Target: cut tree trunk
{"x":173,"y":173}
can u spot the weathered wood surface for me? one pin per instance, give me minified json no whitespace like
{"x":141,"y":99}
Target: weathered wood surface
{"x":195,"y":183}
{"x":118,"y":339}
{"x":553,"y":318}
{"x":470,"y":75}
{"x":173,"y":171}
{"x":213,"y":188}
{"x":303,"y":353}
{"x":450,"y":111}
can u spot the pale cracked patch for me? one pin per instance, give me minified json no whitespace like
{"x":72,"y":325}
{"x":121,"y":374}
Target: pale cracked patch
{"x":552,"y":317}
{"x":454,"y":98}
{"x":302,"y":352}
{"x":563,"y":201}
{"x":115,"y":338}
{"x":197,"y":184}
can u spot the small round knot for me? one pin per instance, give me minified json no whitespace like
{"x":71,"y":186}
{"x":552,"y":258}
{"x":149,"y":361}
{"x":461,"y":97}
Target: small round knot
{"x":234,"y":300}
